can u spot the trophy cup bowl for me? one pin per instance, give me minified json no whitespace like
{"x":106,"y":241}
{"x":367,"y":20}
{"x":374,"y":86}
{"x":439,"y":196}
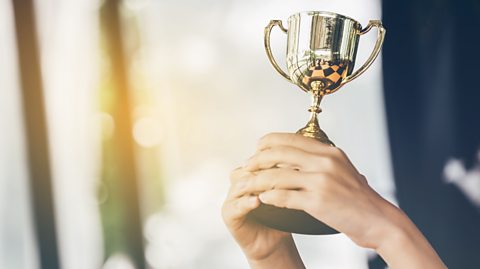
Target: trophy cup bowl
{"x":321,"y":51}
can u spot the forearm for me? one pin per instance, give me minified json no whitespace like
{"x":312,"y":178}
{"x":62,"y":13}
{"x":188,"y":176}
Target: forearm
{"x":406,"y":247}
{"x":285,"y":257}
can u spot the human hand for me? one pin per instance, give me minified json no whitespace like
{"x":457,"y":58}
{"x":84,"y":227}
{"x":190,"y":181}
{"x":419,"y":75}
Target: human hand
{"x":293,"y":171}
{"x":264,"y":247}
{"x":296,"y":172}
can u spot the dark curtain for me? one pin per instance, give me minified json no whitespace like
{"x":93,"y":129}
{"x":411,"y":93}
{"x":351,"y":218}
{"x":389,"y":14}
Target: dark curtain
{"x":431,"y":60}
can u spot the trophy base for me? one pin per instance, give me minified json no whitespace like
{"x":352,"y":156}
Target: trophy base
{"x":289,"y":220}
{"x":313,"y":130}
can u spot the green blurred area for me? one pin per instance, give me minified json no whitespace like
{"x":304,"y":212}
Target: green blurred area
{"x":131,"y":181}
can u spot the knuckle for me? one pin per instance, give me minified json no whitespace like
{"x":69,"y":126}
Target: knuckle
{"x":266,"y":138}
{"x":362,"y":179}
{"x":261,"y":175}
{"x":318,"y":160}
{"x":338,"y":154}
{"x":329,"y":163}
{"x":259,"y":157}
{"x":265,"y":178}
{"x":335,"y":151}
{"x":235,"y":174}
{"x":272,"y":173}
{"x":246,"y":186}
{"x":270,"y":156}
{"x":262,"y":155}
{"x":291,"y":138}
{"x":320,"y":146}
{"x":308,"y":163}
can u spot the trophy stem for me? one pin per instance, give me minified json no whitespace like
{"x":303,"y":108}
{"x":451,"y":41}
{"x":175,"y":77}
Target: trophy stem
{"x":312,"y":129}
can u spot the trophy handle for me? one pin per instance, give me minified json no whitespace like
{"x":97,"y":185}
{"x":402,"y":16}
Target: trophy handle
{"x":268,"y":49}
{"x":375,"y":52}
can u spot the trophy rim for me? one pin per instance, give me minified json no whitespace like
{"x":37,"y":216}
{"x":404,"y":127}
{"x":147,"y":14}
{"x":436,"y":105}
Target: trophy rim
{"x":326,"y":14}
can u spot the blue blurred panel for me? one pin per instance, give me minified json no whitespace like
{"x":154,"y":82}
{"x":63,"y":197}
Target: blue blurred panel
{"x":433,"y":104}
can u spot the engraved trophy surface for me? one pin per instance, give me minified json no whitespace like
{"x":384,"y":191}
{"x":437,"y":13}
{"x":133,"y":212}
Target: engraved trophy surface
{"x":321,"y":51}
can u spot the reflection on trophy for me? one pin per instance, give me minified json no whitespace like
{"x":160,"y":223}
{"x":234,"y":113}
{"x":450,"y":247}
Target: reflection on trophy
{"x":321,"y":50}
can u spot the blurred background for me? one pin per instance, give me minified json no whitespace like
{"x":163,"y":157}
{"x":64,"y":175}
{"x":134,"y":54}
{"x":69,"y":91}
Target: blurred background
{"x":121,"y":120}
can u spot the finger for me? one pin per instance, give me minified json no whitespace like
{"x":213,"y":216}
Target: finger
{"x":278,"y":156}
{"x":238,"y":173}
{"x":236,"y":210}
{"x":286,"y":199}
{"x":294,"y":158}
{"x":293,"y":140}
{"x":304,"y":143}
{"x":275,"y":178}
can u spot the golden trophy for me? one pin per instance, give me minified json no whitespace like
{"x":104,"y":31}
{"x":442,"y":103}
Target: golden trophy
{"x":321,"y":51}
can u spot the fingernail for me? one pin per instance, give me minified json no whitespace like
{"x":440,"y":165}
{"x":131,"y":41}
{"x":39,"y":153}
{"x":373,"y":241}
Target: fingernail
{"x":261,"y":196}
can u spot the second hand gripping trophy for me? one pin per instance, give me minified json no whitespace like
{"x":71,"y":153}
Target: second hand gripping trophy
{"x":321,"y":51}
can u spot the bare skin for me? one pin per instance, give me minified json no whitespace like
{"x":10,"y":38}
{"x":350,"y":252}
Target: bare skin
{"x":292,"y":171}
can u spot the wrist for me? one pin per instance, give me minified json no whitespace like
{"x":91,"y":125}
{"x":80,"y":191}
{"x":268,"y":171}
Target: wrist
{"x":285,"y":255}
{"x":404,"y":246}
{"x":395,"y":227}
